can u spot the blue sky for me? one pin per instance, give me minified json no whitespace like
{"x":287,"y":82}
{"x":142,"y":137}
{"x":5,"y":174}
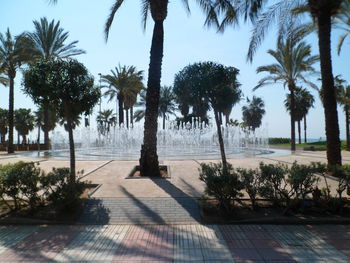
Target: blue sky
{"x":186,"y":41}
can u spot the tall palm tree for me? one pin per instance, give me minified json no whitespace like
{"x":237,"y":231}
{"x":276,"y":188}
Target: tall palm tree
{"x":159,"y":10}
{"x":124,"y":83}
{"x":253,"y":113}
{"x":322,"y":12}
{"x":24,"y":123}
{"x":303,"y":102}
{"x":294,"y":62}
{"x":343,"y":97}
{"x":12,"y":56}
{"x":47,"y":41}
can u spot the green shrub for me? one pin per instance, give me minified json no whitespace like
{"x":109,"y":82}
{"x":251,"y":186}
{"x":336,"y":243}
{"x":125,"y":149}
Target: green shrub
{"x":274,"y":185}
{"x":20,"y":182}
{"x":279,"y":140}
{"x":224,"y":186}
{"x":343,"y":175}
{"x":60,"y":191}
{"x":251,"y":181}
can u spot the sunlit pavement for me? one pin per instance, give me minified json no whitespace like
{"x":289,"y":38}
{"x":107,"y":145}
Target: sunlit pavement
{"x":175,"y":243}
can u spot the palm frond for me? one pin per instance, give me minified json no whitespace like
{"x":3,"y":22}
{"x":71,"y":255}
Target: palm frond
{"x":110,"y":18}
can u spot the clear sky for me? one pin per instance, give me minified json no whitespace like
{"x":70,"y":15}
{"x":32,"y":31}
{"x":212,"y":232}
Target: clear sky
{"x":186,"y":41}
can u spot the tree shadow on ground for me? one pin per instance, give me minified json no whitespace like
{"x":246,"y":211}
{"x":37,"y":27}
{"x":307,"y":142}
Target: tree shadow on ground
{"x":95,"y":209}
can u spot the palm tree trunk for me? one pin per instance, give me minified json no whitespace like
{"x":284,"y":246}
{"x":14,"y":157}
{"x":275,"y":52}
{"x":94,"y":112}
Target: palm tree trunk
{"x":329,"y":101}
{"x":132,"y":116}
{"x":38,"y":141}
{"x":71,"y":151}
{"x":18,"y":139}
{"x":46,"y":126}
{"x":305,"y":127}
{"x":163,"y":121}
{"x":299,"y":131}
{"x":10,"y":147}
{"x":221,"y":141}
{"x":127,"y":118}
{"x":347,"y":128}
{"x":121,"y":111}
{"x":227,"y":119}
{"x":149,"y":165}
{"x":292,"y":118}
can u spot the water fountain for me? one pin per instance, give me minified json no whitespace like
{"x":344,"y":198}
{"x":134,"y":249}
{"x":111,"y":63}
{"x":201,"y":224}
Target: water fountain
{"x":188,"y":141}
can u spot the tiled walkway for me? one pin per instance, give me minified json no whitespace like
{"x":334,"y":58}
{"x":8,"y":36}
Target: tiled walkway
{"x":175,"y":243}
{"x":129,"y":210}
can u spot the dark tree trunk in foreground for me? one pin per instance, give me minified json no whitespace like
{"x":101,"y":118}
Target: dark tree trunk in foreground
{"x":221,"y":141}
{"x":322,"y":11}
{"x":305,"y":127}
{"x":121,"y":110}
{"x":10,"y":147}
{"x":299,"y":132}
{"x":292,"y":118}
{"x":71,"y":151}
{"x":149,"y":159}
{"x":46,"y":126}
{"x":163,"y":121}
{"x":346,"y":109}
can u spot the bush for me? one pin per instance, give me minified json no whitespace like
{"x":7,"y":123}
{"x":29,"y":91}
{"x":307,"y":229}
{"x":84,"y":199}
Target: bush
{"x":274,"y":183}
{"x":20,"y":182}
{"x":24,"y":184}
{"x":251,"y":181}
{"x":279,"y":140}
{"x":224,"y":186}
{"x":59,"y":190}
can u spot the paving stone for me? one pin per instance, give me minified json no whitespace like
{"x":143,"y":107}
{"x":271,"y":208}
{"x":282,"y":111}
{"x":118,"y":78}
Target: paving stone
{"x":140,"y":211}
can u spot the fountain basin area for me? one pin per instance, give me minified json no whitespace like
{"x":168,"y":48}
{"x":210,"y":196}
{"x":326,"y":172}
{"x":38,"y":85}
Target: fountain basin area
{"x":173,"y":143}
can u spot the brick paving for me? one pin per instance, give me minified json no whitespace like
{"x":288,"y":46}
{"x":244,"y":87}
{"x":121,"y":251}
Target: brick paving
{"x":180,"y":243}
{"x":130,"y":210}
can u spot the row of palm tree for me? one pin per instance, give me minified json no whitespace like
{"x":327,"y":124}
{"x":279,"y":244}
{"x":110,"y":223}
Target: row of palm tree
{"x":47,"y":41}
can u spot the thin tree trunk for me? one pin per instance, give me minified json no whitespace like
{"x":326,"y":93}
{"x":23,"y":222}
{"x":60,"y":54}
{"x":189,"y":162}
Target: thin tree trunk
{"x":18,"y":139}
{"x":46,"y":126}
{"x":132,"y":116}
{"x":38,"y":141}
{"x":149,"y":165}
{"x":227,"y":117}
{"x":299,"y":131}
{"x":24,"y":139}
{"x":163,"y":121}
{"x":10,"y":147}
{"x":305,"y":127}
{"x":329,"y":99}
{"x":71,"y":151}
{"x":292,"y":114}
{"x":221,"y":141}
{"x":127,"y":118}
{"x":347,"y":128}
{"x":121,"y":111}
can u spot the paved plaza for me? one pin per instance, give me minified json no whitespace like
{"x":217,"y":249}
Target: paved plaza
{"x":175,"y":243}
{"x":158,"y":221}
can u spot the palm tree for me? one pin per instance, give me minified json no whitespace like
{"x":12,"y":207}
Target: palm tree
{"x":342,"y":22}
{"x":166,"y":104}
{"x":343,"y":97}
{"x":105,"y":119}
{"x":12,"y":56}
{"x":294,"y":61}
{"x":24,"y":123}
{"x":47,"y":41}
{"x":124,"y":83}
{"x":322,"y":12}
{"x":253,"y":113}
{"x":303,"y":102}
{"x":159,"y":9}
{"x":3,"y":124}
{"x":40,"y":123}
